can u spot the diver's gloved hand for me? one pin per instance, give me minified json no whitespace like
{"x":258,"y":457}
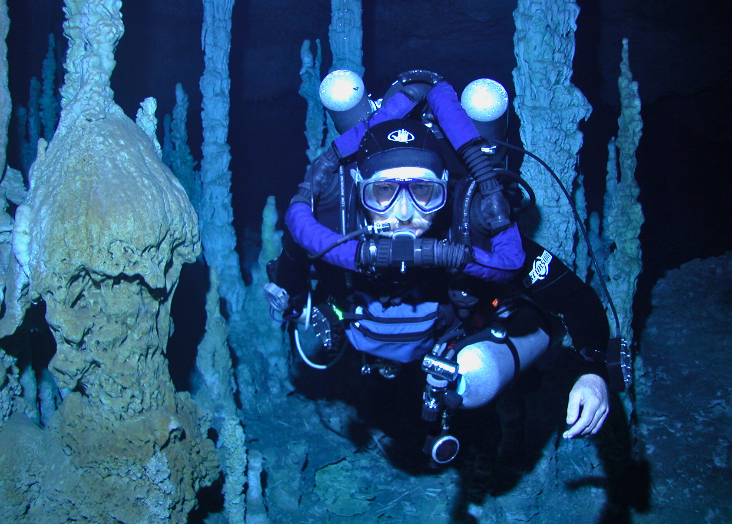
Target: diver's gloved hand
{"x":321,"y":180}
{"x":403,"y":251}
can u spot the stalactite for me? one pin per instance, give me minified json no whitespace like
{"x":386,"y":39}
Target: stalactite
{"x":315,"y":115}
{"x":582,"y":257}
{"x":49,"y":104}
{"x":345,"y":35}
{"x":216,"y":213}
{"x":550,"y":108}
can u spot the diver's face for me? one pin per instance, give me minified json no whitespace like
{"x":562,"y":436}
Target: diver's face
{"x":417,"y":224}
{"x":406,"y":196}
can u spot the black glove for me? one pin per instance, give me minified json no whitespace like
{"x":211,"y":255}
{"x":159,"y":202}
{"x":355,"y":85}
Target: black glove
{"x":403,"y":251}
{"x":321,"y":180}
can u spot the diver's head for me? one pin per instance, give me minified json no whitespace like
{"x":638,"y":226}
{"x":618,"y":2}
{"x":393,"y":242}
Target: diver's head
{"x":401,"y":175}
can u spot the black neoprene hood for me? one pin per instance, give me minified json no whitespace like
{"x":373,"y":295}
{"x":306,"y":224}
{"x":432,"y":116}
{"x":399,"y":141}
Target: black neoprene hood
{"x":399,"y":143}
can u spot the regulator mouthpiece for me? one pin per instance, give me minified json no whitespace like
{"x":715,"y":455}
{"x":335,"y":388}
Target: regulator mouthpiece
{"x":344,"y":96}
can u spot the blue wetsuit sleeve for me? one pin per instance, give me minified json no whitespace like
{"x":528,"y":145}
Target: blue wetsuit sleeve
{"x":315,"y":237}
{"x":500,"y":263}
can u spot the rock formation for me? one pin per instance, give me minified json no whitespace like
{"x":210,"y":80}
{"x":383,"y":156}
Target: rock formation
{"x":101,"y":240}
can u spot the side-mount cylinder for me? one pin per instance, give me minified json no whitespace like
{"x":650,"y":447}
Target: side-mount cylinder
{"x":487,"y":366}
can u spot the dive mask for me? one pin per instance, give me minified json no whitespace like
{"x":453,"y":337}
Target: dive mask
{"x":427,"y":193}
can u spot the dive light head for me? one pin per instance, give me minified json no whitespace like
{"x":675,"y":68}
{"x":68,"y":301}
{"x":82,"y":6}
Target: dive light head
{"x":484,"y":100}
{"x":486,"y":103}
{"x":343,"y":94}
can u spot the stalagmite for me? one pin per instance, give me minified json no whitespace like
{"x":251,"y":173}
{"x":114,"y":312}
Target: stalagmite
{"x":215,"y":386}
{"x":235,"y":451}
{"x":5,"y":102}
{"x":147,"y":121}
{"x":180,"y":160}
{"x":622,"y":213}
{"x":49,"y":104}
{"x":101,"y":239}
{"x":256,"y":510}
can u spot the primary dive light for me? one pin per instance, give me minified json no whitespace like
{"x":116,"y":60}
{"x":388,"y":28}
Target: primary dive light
{"x":486,"y":102}
{"x":341,"y":90}
{"x":344,"y":96}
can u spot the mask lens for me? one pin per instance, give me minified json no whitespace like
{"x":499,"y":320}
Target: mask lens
{"x":384,"y":193}
{"x":379,"y":195}
{"x":422,"y":192}
{"x":427,"y":195}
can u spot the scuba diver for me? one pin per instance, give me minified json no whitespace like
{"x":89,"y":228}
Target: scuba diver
{"x":419,"y":258}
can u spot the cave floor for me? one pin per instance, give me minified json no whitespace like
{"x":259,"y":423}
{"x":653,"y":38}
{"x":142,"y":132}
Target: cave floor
{"x":342,"y":448}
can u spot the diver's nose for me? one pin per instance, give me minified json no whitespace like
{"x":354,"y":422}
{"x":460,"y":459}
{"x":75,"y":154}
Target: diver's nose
{"x":404,"y":208}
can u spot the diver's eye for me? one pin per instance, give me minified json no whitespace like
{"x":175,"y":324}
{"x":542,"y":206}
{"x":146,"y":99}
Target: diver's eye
{"x":421,"y":191}
{"x":384,"y":191}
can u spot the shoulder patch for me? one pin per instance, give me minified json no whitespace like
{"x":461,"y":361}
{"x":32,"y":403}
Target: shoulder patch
{"x":540,"y":269}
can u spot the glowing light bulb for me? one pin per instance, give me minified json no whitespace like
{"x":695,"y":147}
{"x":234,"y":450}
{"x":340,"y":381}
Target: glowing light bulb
{"x":484,"y":100}
{"x":341,"y":90}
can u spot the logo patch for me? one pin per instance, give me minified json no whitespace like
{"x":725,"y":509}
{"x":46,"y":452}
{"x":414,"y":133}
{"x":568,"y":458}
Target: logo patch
{"x":539,"y":270}
{"x":401,"y":135}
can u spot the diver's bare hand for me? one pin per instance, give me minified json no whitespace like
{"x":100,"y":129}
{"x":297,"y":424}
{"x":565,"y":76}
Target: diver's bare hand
{"x":588,"y":406}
